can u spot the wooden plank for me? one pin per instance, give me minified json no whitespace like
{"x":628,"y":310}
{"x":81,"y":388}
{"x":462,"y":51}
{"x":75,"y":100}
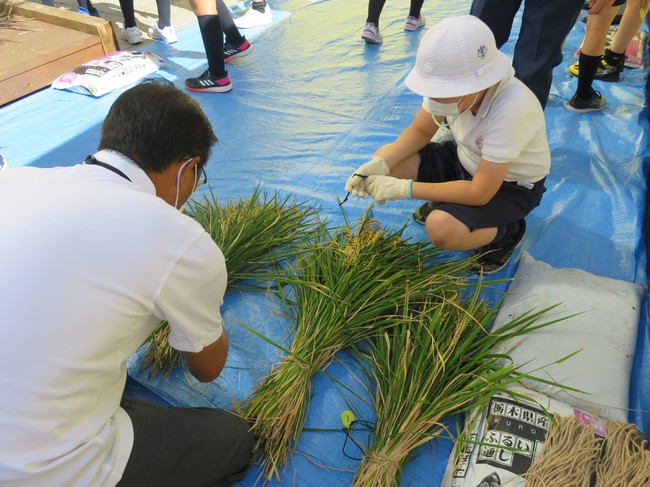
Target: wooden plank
{"x":64,"y":18}
{"x":26,"y":82}
{"x":27,"y":43}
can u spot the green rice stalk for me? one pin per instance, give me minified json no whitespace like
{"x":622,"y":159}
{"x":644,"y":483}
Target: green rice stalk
{"x":434,"y":363}
{"x":344,"y":290}
{"x":254,"y":234}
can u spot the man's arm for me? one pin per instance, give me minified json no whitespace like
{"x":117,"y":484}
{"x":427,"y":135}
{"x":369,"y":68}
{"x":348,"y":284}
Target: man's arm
{"x":207,"y":364}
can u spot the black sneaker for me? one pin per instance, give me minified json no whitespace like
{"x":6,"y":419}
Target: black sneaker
{"x":231,"y":52}
{"x":206,"y":83}
{"x":610,"y":72}
{"x":594,"y":103}
{"x":491,"y":258}
{"x":420,"y":215}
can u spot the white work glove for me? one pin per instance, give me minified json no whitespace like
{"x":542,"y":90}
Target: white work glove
{"x":356,"y":184}
{"x":386,"y":188}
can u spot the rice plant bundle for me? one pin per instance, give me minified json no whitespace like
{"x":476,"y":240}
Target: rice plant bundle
{"x":253,"y":233}
{"x":344,"y":289}
{"x":433,"y":363}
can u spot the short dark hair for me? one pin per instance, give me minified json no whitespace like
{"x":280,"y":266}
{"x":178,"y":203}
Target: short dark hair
{"x":156,"y":124}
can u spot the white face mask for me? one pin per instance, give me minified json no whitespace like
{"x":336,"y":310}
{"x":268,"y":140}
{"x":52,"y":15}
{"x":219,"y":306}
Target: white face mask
{"x":178,"y":183}
{"x":447,"y":109}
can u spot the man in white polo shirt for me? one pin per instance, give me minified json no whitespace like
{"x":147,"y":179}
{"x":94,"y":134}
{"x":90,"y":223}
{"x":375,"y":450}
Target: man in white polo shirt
{"x":480,"y":185}
{"x":94,"y":256}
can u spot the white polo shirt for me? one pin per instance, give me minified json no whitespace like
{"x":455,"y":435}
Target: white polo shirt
{"x":508,"y":127}
{"x":90,"y":263}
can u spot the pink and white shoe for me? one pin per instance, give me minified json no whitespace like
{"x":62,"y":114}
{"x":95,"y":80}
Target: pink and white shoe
{"x":413,"y":24}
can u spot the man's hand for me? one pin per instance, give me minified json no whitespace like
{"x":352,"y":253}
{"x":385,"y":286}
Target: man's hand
{"x":386,"y":188}
{"x":356,"y":183}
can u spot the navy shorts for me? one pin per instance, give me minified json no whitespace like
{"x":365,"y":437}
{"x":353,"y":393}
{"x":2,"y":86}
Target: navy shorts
{"x":439,"y":163}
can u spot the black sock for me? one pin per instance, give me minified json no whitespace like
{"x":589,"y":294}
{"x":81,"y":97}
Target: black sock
{"x":233,"y":36}
{"x":613,"y":58}
{"x":374,"y":11}
{"x":259,"y":6}
{"x":588,"y":67}
{"x":416,"y":7}
{"x":128,"y":11}
{"x":212,"y":35}
{"x":507,"y":233}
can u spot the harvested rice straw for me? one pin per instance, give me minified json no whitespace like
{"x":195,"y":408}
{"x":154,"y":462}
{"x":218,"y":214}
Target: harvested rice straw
{"x":252,"y":233}
{"x":344,"y":290}
{"x":569,"y":456}
{"x":625,"y":459}
{"x":433,"y":363}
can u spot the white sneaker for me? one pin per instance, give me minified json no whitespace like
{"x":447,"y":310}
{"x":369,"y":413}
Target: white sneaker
{"x":254,"y":18}
{"x":166,"y":34}
{"x":131,"y":35}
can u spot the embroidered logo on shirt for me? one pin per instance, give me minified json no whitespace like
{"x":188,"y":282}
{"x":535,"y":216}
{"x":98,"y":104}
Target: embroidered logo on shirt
{"x":479,"y":142}
{"x":482,"y":52}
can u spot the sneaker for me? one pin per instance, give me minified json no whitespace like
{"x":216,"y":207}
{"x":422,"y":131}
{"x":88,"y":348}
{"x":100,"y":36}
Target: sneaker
{"x":254,"y":18}
{"x":606,"y":72}
{"x":413,"y":24}
{"x":420,"y":215}
{"x":231,"y":52}
{"x":371,"y":34}
{"x":131,"y":35}
{"x":491,"y":258}
{"x":166,"y":34}
{"x":594,"y":103}
{"x":206,"y":83}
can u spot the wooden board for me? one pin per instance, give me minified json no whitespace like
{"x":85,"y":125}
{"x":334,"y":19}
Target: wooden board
{"x":39,"y":43}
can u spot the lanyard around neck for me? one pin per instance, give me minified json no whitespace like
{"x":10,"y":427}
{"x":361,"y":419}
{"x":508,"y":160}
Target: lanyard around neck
{"x":92,"y":161}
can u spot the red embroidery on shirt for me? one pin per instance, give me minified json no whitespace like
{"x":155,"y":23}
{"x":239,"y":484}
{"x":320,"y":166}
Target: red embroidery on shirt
{"x":479,"y":142}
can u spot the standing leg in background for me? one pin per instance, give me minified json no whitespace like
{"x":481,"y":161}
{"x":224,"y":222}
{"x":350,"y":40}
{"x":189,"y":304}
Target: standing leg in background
{"x":257,"y":16}
{"x":236,"y":45}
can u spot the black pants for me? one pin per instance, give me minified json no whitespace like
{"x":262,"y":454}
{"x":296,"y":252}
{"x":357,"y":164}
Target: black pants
{"x":544,"y":26}
{"x":188,"y":447}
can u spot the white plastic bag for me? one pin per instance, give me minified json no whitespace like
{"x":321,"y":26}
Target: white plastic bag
{"x":109,"y":73}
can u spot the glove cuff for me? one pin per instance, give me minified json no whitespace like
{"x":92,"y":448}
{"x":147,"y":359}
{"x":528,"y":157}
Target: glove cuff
{"x":409,"y":189}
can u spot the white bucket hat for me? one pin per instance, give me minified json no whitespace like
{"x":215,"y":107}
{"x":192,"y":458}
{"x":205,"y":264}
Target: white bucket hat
{"x":456,"y":57}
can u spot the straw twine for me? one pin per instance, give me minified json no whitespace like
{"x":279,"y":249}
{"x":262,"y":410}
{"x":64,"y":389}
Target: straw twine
{"x":574,"y":455}
{"x":569,"y":456}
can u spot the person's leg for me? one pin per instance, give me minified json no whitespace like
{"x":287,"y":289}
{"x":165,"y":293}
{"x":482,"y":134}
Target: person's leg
{"x":233,"y":36}
{"x":130,"y":32}
{"x":416,"y":8}
{"x":586,"y":99}
{"x":498,"y":15}
{"x":185,"y":446}
{"x":415,"y":19}
{"x":538,"y":50}
{"x":257,"y":16}
{"x":163,"y":30}
{"x":627,"y":29}
{"x":164,"y":13}
{"x":128,"y":12}
{"x":374,"y":11}
{"x":215,"y":78}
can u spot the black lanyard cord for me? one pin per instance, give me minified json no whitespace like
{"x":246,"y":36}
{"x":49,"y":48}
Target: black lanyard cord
{"x":92,"y":161}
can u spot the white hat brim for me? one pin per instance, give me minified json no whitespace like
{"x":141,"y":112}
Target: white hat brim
{"x":444,"y":87}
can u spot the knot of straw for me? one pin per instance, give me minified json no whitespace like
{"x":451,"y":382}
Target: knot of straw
{"x":293,"y":360}
{"x":381,"y":460}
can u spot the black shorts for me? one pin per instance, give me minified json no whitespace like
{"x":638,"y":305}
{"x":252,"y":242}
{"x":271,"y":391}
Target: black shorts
{"x":185,"y":446}
{"x":439,"y":163}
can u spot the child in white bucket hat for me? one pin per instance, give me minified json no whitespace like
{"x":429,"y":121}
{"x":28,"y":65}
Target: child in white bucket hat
{"x":480,"y":185}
